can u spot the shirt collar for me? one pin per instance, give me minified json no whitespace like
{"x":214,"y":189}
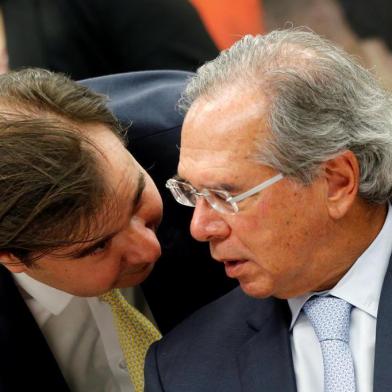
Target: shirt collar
{"x":54,"y":300}
{"x":361,"y":285}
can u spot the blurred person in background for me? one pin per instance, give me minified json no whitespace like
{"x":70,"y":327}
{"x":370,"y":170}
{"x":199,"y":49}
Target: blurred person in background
{"x":362,"y":28}
{"x":87,"y":38}
{"x":372,"y":23}
{"x":3,"y":47}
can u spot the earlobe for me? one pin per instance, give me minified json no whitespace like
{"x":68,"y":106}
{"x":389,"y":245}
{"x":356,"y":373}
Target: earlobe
{"x":342,"y":176}
{"x":12,"y":263}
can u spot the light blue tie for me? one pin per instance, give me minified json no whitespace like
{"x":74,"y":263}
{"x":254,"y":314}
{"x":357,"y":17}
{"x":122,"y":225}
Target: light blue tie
{"x":330,"y":318}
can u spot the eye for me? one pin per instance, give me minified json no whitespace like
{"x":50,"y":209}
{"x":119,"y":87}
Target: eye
{"x":220,"y":195}
{"x":100,"y":247}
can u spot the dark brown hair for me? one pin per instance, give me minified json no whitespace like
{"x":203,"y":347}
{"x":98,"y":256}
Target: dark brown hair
{"x":51,"y":184}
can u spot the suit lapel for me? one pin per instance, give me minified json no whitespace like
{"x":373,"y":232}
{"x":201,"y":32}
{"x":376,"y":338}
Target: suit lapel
{"x":265,"y":361}
{"x":383,"y":350}
{"x":26,"y":361}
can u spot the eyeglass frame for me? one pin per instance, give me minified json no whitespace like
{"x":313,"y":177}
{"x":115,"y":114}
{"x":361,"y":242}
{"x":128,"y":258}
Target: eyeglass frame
{"x":232,"y":200}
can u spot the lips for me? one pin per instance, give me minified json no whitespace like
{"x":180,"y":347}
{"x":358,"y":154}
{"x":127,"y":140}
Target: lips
{"x":234,"y":268}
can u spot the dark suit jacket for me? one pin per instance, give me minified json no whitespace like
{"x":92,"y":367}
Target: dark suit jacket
{"x":242,"y":344}
{"x":88,"y":38}
{"x":184,"y":279}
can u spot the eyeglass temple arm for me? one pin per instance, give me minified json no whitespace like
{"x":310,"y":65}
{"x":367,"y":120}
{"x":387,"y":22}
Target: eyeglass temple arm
{"x":257,"y":188}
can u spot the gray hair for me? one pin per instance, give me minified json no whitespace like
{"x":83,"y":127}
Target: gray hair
{"x":321,"y":102}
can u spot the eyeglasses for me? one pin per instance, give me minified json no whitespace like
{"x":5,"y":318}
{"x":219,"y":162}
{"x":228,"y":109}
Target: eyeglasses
{"x":219,"y":200}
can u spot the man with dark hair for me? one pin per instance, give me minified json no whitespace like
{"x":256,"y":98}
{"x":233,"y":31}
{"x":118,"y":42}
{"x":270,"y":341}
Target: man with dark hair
{"x":286,"y":157}
{"x":78,"y":217}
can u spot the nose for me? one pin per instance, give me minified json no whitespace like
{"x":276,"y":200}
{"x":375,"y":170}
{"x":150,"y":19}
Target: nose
{"x":207,"y":224}
{"x":141,"y":244}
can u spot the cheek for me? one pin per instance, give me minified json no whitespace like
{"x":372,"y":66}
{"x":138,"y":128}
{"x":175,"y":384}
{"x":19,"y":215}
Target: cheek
{"x":261,"y":222}
{"x":272,"y":230}
{"x":103,"y":273}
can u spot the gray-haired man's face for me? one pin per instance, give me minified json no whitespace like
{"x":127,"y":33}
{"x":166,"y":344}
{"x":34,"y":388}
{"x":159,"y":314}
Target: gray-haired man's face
{"x":277,"y":243}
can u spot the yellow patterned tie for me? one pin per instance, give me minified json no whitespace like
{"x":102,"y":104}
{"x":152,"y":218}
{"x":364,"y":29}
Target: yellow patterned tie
{"x":135,"y":332}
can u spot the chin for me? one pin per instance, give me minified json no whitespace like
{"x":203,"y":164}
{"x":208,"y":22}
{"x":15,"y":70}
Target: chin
{"x":256,"y":290}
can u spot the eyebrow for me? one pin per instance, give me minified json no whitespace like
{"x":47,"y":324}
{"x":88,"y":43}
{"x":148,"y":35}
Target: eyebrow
{"x":225,"y":187}
{"x":141,"y":185}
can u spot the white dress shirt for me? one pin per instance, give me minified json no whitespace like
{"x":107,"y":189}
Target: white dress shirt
{"x":361,"y":287}
{"x":81,"y":335}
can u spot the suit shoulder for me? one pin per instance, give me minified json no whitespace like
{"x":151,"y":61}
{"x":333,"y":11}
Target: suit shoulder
{"x":223,"y":319}
{"x":200,"y":353}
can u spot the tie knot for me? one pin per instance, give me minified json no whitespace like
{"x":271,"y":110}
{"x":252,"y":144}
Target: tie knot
{"x":330,"y":317}
{"x":112,"y":297}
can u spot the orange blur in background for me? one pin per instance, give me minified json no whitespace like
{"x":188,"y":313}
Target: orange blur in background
{"x":229,"y":20}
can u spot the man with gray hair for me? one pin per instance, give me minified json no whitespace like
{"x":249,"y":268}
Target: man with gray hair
{"x":286,"y":155}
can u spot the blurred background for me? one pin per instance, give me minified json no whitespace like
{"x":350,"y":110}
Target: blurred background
{"x":86,"y":38}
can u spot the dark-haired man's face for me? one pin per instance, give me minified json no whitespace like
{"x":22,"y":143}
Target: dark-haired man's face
{"x":127,"y":254}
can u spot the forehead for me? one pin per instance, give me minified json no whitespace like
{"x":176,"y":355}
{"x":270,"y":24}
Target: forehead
{"x":220,"y":134}
{"x":120,"y":171}
{"x":117,"y":163}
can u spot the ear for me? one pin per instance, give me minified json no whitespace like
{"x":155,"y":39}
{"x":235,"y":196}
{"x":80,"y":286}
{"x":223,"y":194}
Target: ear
{"x":342,"y":176}
{"x":12,"y":263}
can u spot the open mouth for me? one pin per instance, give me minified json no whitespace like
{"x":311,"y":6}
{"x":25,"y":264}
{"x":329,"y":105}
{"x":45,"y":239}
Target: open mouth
{"x":232,"y":263}
{"x":233,"y":267}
